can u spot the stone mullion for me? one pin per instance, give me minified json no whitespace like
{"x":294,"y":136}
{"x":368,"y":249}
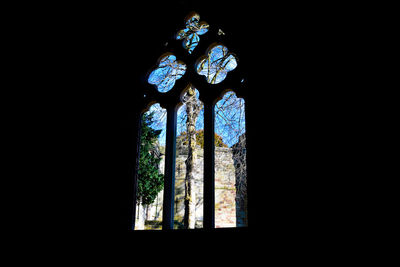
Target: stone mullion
{"x":209,"y":162}
{"x":169,"y":175}
{"x":132,"y":206}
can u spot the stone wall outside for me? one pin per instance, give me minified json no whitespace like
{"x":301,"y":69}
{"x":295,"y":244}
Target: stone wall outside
{"x":227,"y":206}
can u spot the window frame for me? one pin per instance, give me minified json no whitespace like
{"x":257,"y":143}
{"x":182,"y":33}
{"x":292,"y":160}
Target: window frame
{"x":210,"y":94}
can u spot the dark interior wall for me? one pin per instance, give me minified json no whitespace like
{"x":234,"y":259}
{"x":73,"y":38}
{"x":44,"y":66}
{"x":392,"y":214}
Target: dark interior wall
{"x":108,"y":49}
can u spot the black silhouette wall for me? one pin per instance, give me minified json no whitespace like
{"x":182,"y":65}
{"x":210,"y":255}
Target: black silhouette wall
{"x":108,"y":50}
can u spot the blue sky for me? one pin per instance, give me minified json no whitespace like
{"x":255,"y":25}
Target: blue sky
{"x":217,"y":64}
{"x":168,"y":71}
{"x":229,"y":119}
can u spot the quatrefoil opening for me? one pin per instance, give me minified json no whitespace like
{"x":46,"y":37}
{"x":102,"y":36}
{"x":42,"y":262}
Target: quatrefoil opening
{"x":168,"y":71}
{"x":216,"y":65}
{"x":190,"y":35}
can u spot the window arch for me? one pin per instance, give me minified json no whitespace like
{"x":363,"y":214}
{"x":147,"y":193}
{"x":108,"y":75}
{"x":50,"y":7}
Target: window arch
{"x":231,"y":190}
{"x":199,"y":83}
{"x":150,"y":174}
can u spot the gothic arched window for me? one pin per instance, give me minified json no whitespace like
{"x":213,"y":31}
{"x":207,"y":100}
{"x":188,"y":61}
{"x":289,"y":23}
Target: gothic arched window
{"x":192,"y":169}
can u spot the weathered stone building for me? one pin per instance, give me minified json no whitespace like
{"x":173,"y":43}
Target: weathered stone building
{"x":230,"y":201}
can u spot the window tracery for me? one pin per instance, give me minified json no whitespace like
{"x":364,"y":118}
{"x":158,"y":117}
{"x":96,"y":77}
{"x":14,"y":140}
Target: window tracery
{"x":216,"y":65}
{"x":210,"y":123}
{"x":190,"y":35}
{"x":168,"y":71}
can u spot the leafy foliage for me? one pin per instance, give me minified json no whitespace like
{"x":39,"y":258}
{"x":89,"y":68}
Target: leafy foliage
{"x":182,"y":139}
{"x":150,"y":180}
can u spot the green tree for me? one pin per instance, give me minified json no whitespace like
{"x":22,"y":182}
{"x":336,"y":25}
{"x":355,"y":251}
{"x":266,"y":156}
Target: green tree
{"x":150,"y":180}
